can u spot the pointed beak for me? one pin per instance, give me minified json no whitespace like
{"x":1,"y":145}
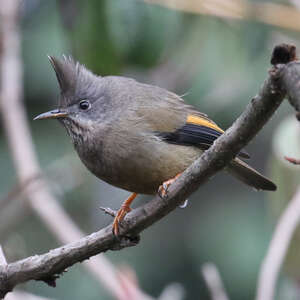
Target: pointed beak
{"x":53,"y":114}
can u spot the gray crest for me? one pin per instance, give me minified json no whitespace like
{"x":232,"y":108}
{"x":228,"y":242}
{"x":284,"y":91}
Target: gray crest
{"x":75,"y":81}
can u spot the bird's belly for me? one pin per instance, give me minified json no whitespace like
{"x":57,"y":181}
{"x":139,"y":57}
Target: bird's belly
{"x":144,"y":169}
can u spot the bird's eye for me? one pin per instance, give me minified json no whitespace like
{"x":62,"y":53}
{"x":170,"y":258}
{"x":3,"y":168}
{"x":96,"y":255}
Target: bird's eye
{"x":84,"y":104}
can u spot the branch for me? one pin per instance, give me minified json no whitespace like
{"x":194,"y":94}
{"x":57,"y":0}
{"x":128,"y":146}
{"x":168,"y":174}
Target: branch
{"x":2,"y":257}
{"x":17,"y":190}
{"x":225,"y":148}
{"x":214,"y":282}
{"x":277,"y":249}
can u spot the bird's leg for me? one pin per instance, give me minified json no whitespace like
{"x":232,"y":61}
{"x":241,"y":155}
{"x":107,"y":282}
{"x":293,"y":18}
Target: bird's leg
{"x":163,"y":189}
{"x":124,"y":209}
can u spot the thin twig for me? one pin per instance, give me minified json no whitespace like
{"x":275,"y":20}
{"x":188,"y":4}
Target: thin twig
{"x":173,"y":291}
{"x":24,"y":296}
{"x":282,"y":236}
{"x":292,"y":160}
{"x":109,"y":211}
{"x":2,"y":257}
{"x":3,"y":262}
{"x":214,"y":282}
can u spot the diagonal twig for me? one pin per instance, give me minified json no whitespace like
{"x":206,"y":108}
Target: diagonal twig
{"x":214,"y":282}
{"x":271,"y":265}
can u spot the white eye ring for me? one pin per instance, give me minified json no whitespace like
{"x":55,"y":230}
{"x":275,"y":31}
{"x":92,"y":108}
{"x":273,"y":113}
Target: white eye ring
{"x":84,"y":104}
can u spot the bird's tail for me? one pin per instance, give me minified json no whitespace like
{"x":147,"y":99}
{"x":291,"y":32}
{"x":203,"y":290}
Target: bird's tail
{"x":248,"y":175}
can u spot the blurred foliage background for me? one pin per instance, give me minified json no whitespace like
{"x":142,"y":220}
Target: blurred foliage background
{"x":218,"y":64}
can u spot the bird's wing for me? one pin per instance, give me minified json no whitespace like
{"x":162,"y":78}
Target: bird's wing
{"x":197,"y":131}
{"x":166,"y":112}
{"x":174,"y":121}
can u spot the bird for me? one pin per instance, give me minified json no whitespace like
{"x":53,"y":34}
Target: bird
{"x":135,"y":136}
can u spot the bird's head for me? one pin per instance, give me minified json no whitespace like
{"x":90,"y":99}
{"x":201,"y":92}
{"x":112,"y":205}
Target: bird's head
{"x":82,"y":102}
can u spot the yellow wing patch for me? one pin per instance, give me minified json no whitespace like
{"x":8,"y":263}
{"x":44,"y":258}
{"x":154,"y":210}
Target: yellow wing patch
{"x":197,"y":120}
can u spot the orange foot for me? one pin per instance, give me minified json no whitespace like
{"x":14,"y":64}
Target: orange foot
{"x":122,"y":212}
{"x":163,"y":189}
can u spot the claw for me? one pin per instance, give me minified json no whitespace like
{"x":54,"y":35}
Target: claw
{"x":122,"y":212}
{"x":163,"y":189}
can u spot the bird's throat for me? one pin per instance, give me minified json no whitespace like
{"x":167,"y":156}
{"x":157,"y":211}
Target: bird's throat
{"x":78,"y":133}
